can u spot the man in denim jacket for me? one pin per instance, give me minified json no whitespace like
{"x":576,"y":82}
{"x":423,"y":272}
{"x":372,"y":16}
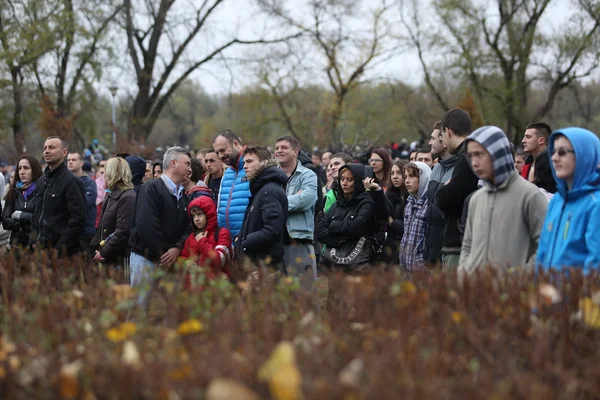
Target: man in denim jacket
{"x":301,"y":192}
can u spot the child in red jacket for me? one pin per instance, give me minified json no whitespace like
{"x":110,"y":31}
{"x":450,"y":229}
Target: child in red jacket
{"x":208,"y":245}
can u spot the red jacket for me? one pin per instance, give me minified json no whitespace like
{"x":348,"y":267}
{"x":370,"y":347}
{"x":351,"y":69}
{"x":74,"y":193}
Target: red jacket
{"x":527,"y":167}
{"x":209,"y":252}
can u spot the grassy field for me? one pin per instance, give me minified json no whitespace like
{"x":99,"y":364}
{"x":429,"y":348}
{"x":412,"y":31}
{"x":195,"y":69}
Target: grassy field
{"x":381,"y":336}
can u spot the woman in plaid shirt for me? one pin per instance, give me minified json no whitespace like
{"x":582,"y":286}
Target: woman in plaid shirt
{"x":416,"y":179}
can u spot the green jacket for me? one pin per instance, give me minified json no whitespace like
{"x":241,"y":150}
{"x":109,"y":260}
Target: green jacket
{"x":329,"y":200}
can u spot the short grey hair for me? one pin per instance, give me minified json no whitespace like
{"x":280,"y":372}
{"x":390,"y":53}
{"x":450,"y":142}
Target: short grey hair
{"x":172,"y":153}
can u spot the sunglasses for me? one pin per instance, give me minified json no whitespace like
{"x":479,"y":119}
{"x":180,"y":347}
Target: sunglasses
{"x":562,"y":152}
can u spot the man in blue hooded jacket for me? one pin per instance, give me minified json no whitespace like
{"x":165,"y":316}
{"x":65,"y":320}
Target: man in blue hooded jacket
{"x":570,"y":234}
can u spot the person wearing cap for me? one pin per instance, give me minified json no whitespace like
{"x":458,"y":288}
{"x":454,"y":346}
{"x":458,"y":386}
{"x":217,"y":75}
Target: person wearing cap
{"x":506,"y":215}
{"x":75,"y":164}
{"x":570,"y":236}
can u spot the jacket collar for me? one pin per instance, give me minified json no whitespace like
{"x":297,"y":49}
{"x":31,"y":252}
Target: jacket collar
{"x":115,"y":194}
{"x":460,"y":150}
{"x":61,"y":168}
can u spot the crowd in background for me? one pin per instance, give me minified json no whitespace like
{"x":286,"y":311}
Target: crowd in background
{"x":467,"y":200}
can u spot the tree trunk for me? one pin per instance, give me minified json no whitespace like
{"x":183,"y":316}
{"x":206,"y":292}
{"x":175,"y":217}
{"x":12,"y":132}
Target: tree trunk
{"x":139,"y":122}
{"x":337,"y":139}
{"x":17,"y":122}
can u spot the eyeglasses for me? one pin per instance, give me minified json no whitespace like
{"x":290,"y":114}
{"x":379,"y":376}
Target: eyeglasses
{"x":374,"y":160}
{"x":562,"y":152}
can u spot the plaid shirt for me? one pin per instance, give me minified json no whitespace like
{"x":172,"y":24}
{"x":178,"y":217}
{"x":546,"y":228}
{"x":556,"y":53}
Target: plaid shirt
{"x":411,"y":246}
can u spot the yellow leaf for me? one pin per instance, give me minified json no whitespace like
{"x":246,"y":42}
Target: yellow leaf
{"x":190,"y":326}
{"x":285,"y":383}
{"x":457,"y":317}
{"x":281,"y":372}
{"x":591,"y":312}
{"x":121,"y":332}
{"x":408,"y":287}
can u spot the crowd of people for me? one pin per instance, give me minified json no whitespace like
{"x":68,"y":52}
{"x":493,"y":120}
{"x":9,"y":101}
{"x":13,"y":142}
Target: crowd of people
{"x":468,"y":200}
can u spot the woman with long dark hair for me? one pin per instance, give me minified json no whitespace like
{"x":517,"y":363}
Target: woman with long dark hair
{"x":19,"y":205}
{"x":381,"y":162}
{"x":396,"y":196}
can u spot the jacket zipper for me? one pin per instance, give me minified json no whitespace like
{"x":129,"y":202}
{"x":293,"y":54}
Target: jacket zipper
{"x":557,"y":232}
{"x":42,"y":213}
{"x":229,"y":200}
{"x":102,"y":220}
{"x":487,"y":243}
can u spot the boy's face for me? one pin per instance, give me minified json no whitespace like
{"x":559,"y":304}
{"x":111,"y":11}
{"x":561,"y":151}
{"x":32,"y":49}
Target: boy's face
{"x":412,"y":183}
{"x":199,"y":218}
{"x":481,"y":161}
{"x":251,"y":165}
{"x":519,"y":162}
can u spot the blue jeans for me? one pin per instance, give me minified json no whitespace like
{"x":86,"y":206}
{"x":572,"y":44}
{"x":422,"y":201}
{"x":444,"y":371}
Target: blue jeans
{"x":142,"y":276}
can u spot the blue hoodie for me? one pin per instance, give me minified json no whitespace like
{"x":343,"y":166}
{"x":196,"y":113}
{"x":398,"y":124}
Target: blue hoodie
{"x":570,"y":237}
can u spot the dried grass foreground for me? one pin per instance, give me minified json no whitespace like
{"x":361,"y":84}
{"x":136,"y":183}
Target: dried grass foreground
{"x":384,"y":337}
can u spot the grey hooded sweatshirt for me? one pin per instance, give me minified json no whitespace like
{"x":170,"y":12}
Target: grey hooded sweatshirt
{"x":505,"y":216}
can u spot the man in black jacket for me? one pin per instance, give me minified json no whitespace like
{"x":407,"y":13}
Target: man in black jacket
{"x":59,"y":218}
{"x":450,"y":199}
{"x":441,"y":173}
{"x":75,"y":165}
{"x":262,"y":233}
{"x":161,"y":223}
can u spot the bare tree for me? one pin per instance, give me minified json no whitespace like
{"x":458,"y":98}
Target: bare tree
{"x":347,"y":52}
{"x":75,"y":63}
{"x":507,"y":45}
{"x":160,"y":70}
{"x":27,"y":33}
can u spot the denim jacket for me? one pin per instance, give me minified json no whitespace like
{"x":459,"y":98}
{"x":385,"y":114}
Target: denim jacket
{"x":301,"y":206}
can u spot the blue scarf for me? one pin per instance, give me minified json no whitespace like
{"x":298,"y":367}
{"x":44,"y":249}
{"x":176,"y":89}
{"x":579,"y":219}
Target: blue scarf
{"x":27,"y":189}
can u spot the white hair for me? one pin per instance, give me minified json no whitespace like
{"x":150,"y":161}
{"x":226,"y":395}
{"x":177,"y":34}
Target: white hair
{"x":171,"y":154}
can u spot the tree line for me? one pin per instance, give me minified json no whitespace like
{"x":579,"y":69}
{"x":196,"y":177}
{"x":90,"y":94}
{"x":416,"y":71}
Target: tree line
{"x":315,"y":69}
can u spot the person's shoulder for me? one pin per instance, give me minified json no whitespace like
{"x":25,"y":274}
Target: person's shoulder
{"x":152,"y":186}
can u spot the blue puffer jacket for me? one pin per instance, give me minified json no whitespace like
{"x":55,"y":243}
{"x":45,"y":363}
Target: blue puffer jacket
{"x":570,"y":235}
{"x":233,"y":198}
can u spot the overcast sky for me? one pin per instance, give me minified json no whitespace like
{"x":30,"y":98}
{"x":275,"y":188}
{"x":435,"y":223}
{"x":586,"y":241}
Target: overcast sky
{"x":238,"y":16}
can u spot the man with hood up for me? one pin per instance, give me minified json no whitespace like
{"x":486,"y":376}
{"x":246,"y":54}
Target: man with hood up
{"x":138,"y":171}
{"x":262,"y":232}
{"x":416,"y":179}
{"x":506,"y":215}
{"x":570,"y":237}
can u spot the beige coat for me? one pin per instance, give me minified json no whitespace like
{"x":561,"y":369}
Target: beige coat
{"x":503,"y":226}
